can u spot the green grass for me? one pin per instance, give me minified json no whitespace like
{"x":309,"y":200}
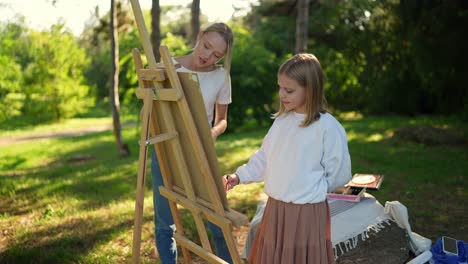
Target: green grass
{"x":54,"y":209}
{"x":97,"y":116}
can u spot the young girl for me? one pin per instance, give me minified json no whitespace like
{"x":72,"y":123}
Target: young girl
{"x":303,"y":155}
{"x":213,"y":43}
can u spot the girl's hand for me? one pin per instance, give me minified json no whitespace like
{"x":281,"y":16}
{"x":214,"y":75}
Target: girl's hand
{"x":230,"y":180}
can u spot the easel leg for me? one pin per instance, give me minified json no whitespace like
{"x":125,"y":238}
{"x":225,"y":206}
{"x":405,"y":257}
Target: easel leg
{"x":197,"y":216}
{"x":231,"y":244}
{"x":140,"y":195}
{"x":179,"y":229}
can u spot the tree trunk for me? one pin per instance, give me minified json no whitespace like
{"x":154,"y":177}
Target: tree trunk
{"x":302,"y":25}
{"x":114,"y":88}
{"x":195,"y":22}
{"x":156,"y":30}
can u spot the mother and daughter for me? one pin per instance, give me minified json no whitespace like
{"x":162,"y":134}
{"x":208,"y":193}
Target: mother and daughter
{"x":303,"y":156}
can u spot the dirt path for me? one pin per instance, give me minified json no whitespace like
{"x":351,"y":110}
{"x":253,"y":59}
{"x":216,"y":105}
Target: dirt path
{"x":5,"y":141}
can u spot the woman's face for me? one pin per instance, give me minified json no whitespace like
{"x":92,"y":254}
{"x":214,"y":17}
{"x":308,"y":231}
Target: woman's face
{"x":210,"y":48}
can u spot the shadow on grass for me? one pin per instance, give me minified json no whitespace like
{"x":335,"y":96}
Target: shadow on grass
{"x":11,"y":162}
{"x":65,"y":243}
{"x":95,"y":182}
{"x":91,"y":175}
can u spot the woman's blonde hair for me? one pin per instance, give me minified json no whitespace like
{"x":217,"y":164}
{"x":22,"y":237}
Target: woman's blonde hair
{"x":226,"y":32}
{"x":305,"y":69}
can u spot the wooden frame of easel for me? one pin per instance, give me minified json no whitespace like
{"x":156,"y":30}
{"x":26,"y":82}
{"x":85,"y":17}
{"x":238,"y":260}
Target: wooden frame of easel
{"x":174,"y":112}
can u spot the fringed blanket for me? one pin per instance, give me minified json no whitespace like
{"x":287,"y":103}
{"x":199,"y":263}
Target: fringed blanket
{"x":351,"y":222}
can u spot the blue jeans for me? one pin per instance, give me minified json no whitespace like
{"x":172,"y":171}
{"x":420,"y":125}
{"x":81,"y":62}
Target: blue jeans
{"x":164,"y":223}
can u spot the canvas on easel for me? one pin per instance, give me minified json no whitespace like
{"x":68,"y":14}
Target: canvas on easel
{"x":174,"y":113}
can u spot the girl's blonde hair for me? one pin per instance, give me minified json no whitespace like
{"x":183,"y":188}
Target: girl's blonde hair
{"x":305,"y":69}
{"x":226,"y":32}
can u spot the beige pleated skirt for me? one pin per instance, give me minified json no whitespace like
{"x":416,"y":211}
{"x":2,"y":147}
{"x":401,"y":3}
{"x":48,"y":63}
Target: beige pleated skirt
{"x":293,"y":234}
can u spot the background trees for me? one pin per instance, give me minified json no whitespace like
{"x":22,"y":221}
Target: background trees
{"x":114,"y":87}
{"x":379,"y":57}
{"x":194,"y":21}
{"x":41,"y":74}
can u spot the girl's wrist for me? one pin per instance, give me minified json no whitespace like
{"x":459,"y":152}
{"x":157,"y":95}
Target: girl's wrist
{"x":214,"y":132}
{"x":236,"y":177}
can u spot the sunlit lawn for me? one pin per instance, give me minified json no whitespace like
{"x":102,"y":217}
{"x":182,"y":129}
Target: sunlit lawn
{"x":71,"y":200}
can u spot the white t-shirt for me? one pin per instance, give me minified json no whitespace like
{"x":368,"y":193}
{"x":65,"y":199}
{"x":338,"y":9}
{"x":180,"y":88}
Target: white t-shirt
{"x":215,"y":87}
{"x":300,"y":164}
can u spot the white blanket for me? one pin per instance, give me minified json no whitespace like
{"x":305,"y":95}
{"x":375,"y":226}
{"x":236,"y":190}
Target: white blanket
{"x":350,"y":222}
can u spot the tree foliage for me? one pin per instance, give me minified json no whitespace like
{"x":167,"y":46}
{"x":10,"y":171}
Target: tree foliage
{"x":43,"y":73}
{"x":253,"y":81}
{"x":96,"y":37}
{"x":11,"y":78}
{"x":382,"y":56}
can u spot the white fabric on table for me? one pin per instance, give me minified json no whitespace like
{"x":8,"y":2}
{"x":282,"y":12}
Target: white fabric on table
{"x":399,"y":214}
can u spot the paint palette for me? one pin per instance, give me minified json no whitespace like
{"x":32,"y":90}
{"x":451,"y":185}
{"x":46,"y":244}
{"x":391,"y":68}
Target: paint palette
{"x":368,"y":181}
{"x":363,"y":179}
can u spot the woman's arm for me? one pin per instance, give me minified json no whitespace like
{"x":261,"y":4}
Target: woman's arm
{"x":220,"y":122}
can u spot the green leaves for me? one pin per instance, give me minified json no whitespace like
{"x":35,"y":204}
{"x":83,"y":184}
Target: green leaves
{"x":42,"y":74}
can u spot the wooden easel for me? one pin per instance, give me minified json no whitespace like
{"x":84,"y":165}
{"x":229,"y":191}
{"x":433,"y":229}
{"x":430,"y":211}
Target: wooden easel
{"x":174,"y":112}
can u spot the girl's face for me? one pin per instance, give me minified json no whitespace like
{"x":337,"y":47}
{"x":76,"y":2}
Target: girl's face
{"x":210,"y":48}
{"x":292,"y":95}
